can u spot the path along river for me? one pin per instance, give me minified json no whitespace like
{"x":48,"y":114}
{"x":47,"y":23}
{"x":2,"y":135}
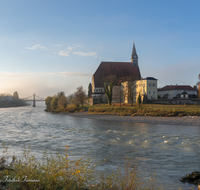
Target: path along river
{"x":169,"y":150}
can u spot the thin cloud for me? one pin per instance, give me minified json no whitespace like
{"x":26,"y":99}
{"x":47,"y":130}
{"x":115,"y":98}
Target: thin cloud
{"x":58,"y":45}
{"x":82,"y":54}
{"x":8,"y":74}
{"x":71,"y":74}
{"x":105,"y":58}
{"x":77,"y":45}
{"x":64,"y":53}
{"x":37,"y":46}
{"x":70,"y":48}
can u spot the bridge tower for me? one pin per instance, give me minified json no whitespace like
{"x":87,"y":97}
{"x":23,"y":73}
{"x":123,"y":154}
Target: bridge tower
{"x":34,"y":100}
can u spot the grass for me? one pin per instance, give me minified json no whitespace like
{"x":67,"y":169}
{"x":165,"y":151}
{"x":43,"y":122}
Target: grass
{"x":59,"y":172}
{"x":68,"y":109}
{"x":146,"y":110}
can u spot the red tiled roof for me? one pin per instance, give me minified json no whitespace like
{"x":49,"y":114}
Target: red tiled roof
{"x":119,"y":69}
{"x":176,"y":87}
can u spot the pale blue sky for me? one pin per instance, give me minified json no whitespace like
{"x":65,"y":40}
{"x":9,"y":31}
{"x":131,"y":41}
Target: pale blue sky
{"x":48,"y":46}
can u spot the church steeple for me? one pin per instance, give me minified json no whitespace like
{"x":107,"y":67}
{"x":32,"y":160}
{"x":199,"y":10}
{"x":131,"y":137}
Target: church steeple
{"x":134,"y":57}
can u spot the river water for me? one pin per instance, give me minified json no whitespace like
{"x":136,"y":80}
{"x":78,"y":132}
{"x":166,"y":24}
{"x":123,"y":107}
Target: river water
{"x":170,"y":151}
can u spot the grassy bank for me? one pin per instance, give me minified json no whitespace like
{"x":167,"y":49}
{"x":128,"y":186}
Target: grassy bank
{"x":59,"y":172}
{"x":146,"y":110}
{"x":68,"y":109}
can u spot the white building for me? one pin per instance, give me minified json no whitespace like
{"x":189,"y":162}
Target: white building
{"x":171,"y":91}
{"x":146,"y":87}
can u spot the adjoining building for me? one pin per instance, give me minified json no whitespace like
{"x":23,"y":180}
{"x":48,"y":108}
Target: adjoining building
{"x":125,"y":73}
{"x":147,"y":88}
{"x":177,"y":91}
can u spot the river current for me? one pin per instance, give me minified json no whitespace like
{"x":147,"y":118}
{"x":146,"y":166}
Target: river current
{"x":169,"y":150}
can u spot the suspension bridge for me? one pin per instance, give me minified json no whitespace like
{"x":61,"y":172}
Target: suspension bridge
{"x":33,"y":98}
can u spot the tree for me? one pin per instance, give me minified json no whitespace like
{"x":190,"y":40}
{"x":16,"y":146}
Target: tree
{"x":62,"y":102}
{"x":15,"y":95}
{"x":80,"y":95}
{"x":165,"y":96}
{"x":59,"y":94}
{"x":110,"y":79}
{"x":117,"y":94}
{"x":90,"y":90}
{"x":139,"y":99}
{"x":54,"y":103}
{"x":48,"y":102}
{"x":108,"y":92}
{"x":199,"y":88}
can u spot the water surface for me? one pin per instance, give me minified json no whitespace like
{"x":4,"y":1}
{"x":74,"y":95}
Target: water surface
{"x":170,"y":151}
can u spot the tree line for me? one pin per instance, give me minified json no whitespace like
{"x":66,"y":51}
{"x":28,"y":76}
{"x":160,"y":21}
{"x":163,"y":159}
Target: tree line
{"x":60,"y":101}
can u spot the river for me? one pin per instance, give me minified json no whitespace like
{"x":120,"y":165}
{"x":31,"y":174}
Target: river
{"x":170,"y":151}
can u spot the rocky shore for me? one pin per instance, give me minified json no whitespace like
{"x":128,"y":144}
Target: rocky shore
{"x":186,"y":120}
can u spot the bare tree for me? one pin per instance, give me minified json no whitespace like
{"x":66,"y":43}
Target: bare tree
{"x":110,"y":79}
{"x":80,"y":95}
{"x":117,"y":95}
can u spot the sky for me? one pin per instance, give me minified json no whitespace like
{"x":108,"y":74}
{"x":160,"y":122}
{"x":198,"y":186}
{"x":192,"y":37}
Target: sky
{"x":47,"y":46}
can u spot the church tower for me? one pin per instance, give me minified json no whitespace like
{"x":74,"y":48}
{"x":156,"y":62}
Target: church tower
{"x":134,"y":57}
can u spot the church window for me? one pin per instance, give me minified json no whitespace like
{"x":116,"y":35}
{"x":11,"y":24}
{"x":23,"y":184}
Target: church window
{"x":154,"y":85}
{"x":153,"y":92}
{"x":149,"y":92}
{"x":149,"y":84}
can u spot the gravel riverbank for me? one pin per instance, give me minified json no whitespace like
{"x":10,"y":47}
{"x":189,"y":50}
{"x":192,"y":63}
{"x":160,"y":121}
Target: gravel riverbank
{"x":186,"y":120}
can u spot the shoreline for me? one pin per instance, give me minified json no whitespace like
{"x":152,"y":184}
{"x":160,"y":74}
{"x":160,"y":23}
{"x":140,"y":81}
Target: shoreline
{"x":185,"y":120}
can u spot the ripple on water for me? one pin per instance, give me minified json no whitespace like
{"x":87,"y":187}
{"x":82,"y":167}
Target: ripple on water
{"x":170,"y":151}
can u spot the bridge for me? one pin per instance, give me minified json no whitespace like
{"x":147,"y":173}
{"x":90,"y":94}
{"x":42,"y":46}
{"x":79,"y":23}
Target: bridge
{"x":33,"y":98}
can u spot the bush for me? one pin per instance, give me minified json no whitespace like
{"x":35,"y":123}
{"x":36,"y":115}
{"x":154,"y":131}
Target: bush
{"x":59,"y":172}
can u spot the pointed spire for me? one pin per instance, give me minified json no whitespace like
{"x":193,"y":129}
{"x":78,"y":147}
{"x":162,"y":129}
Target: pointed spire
{"x":134,"y":54}
{"x":134,"y":57}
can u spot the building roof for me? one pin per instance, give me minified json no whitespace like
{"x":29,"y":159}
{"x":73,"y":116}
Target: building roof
{"x":150,"y":78}
{"x":176,"y":87}
{"x":119,"y":69}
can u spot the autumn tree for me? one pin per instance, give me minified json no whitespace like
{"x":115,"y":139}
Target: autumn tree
{"x":48,"y":102}
{"x":62,"y":102}
{"x":54,"y":102}
{"x":15,"y":95}
{"x":80,"y":96}
{"x":59,"y":94}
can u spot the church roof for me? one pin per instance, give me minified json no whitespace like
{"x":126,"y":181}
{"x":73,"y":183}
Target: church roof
{"x":176,"y":87}
{"x":119,"y":69}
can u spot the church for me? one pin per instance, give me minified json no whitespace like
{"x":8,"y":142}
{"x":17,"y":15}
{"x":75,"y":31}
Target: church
{"x":121,"y":71}
{"x":118,"y":69}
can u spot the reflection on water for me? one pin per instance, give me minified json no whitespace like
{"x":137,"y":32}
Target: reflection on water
{"x":170,"y":151}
